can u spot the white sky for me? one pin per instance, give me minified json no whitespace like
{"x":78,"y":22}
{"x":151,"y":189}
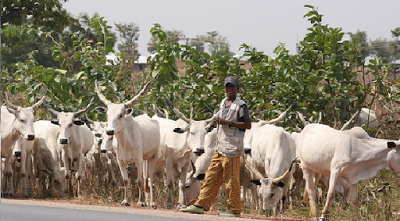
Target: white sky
{"x":260,"y":23}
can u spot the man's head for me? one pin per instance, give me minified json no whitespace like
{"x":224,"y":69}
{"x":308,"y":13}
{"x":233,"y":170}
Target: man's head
{"x":231,"y":86}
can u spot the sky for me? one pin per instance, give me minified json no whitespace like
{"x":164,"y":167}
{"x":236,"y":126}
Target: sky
{"x":263,"y":24}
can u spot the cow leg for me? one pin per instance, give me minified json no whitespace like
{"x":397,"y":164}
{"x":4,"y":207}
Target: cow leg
{"x":152,"y":164}
{"x":124,"y":173}
{"x":7,"y":184}
{"x":310,"y":177}
{"x":66,"y":163}
{"x":331,"y":192}
{"x":25,"y":166}
{"x":110,"y":169}
{"x":78,"y":173}
{"x":170,"y":182}
{"x":182,"y":185}
{"x":140,"y":181}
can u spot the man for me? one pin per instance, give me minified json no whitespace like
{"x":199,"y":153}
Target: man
{"x":232,"y":122}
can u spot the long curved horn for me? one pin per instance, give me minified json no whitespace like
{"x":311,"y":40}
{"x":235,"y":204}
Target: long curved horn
{"x":101,"y":96}
{"x":254,"y":170}
{"x":285,"y":175}
{"x":9,"y":104}
{"x":138,"y":96}
{"x":319,"y":117}
{"x":296,"y":128}
{"x":165,"y":113}
{"x":50,"y":109}
{"x":39,"y":103}
{"x":276,"y":120}
{"x":301,"y":117}
{"x":191,"y":112}
{"x":213,"y":118}
{"x":177,"y":112}
{"x":89,"y":120}
{"x":78,"y":113}
{"x":155,"y":111}
{"x":346,"y":125}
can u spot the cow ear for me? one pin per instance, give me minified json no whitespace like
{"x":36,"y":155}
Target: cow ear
{"x":210,"y":128}
{"x":281,"y":184}
{"x":79,"y":122}
{"x":179,"y":130}
{"x":101,"y":110}
{"x":55,"y":121}
{"x":201,"y":176}
{"x":128,"y":111}
{"x":257,"y":182}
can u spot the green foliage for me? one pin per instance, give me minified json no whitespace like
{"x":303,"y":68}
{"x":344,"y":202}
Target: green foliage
{"x":46,"y":13}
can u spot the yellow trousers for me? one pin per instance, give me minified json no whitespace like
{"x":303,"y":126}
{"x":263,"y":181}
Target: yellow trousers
{"x":222,"y":169}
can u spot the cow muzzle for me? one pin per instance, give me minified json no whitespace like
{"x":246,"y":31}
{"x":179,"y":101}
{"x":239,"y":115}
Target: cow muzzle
{"x":17,"y":153}
{"x":103,"y":151}
{"x":110,"y":132}
{"x":63,"y":141}
{"x":199,"y":152}
{"x":31,"y":137}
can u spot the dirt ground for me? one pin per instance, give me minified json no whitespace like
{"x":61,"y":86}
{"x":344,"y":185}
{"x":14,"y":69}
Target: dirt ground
{"x":210,"y":215}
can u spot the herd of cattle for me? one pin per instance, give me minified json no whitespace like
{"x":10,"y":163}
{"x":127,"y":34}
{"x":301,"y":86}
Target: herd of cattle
{"x":184,"y":147}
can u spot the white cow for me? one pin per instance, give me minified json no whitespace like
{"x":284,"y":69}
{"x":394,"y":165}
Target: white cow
{"x":103,"y":160}
{"x":137,"y":139}
{"x":180,"y":139}
{"x":75,"y":138}
{"x":350,"y":154}
{"x":272,"y":153}
{"x":47,"y":155}
{"x":16,"y":122}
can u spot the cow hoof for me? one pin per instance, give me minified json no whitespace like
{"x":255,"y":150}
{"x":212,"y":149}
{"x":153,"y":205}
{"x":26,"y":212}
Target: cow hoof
{"x":322,"y":219}
{"x":125,"y":204}
{"x":142,"y":204}
{"x":153,"y":207}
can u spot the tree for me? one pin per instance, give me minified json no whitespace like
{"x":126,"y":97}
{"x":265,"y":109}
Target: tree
{"x":380,"y":48}
{"x":360,"y":38}
{"x":396,"y":43}
{"x":46,"y":13}
{"x":172,"y":37}
{"x":129,"y":34}
{"x":216,"y":43}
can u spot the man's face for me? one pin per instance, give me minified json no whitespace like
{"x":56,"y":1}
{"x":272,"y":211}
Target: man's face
{"x":231,"y":90}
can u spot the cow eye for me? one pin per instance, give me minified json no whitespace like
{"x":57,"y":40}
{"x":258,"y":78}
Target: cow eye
{"x":120,"y":116}
{"x":69,"y":125}
{"x":97,"y":135}
{"x":192,"y":132}
{"x":22,"y":120}
{"x":272,"y":195}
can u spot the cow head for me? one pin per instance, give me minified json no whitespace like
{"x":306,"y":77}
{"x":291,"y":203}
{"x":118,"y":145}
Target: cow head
{"x":393,"y":158}
{"x":108,"y":142}
{"x":67,"y":121}
{"x":59,"y":180}
{"x":98,"y":128}
{"x":24,"y":118}
{"x":270,"y":189}
{"x":196,"y":130}
{"x":116,"y":112}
